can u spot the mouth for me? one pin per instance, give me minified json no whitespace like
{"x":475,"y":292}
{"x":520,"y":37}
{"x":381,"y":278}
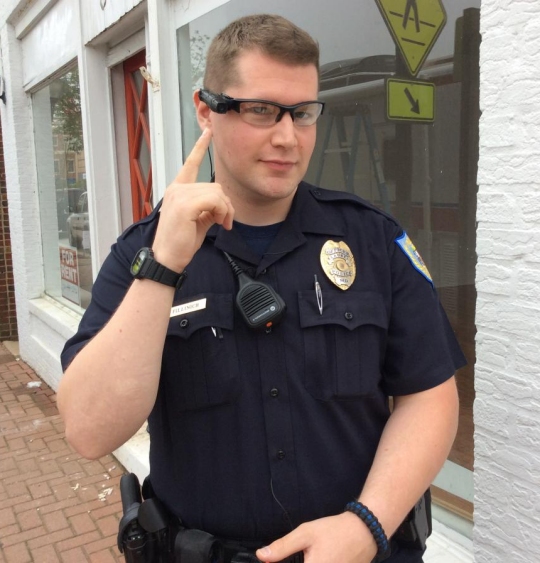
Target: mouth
{"x":282,"y":165}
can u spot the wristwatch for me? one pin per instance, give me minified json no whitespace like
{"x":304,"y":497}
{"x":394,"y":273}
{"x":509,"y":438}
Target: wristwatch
{"x":145,"y":267}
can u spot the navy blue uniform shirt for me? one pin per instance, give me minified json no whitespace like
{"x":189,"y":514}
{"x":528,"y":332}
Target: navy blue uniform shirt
{"x":253,"y":433}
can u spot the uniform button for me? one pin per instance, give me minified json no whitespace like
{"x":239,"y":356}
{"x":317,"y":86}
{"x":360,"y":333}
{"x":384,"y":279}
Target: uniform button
{"x":184,"y":323}
{"x":348,"y":315}
{"x":280,"y":454}
{"x":263,"y":271}
{"x":317,"y":192}
{"x":274,"y":392}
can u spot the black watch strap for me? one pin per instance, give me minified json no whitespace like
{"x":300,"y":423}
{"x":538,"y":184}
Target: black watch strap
{"x":144,"y":266}
{"x":160,"y":273}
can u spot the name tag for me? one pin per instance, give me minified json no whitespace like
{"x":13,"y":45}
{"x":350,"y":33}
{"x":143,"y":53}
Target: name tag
{"x":188,"y":307}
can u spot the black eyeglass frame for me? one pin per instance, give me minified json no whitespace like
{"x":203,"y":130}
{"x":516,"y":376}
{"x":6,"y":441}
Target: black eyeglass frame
{"x":221,"y":103}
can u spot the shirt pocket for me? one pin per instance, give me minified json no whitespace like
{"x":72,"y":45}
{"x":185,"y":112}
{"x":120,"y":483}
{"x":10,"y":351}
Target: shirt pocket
{"x":200,"y":365}
{"x":343,"y":347}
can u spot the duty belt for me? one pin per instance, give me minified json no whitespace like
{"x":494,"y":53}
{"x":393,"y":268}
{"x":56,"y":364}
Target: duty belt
{"x":149,"y":534}
{"x":238,"y":551}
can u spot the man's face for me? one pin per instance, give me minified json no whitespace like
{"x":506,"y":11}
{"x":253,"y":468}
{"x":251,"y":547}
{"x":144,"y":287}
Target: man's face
{"x":262,"y":165}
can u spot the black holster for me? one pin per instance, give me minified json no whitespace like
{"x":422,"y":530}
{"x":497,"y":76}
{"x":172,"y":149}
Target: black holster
{"x":417,"y":526}
{"x":146,"y":532}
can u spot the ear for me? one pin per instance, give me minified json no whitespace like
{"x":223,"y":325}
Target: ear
{"x":203,"y":112}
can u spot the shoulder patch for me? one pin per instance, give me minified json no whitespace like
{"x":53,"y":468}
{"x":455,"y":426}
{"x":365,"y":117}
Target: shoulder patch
{"x":408,"y":248}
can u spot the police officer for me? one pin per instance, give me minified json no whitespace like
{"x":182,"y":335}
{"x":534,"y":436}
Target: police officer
{"x":264,"y":435}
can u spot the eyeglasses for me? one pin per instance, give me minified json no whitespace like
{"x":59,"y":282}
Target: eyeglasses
{"x":263,"y":113}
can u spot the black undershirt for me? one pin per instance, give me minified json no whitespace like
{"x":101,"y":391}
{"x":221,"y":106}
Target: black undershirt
{"x":259,"y":239}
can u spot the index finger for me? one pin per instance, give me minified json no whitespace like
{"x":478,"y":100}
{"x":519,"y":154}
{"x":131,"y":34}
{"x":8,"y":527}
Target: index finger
{"x":190,"y":169}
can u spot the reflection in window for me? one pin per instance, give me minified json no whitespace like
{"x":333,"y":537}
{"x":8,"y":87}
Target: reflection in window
{"x":423,"y":174}
{"x":63,"y":199}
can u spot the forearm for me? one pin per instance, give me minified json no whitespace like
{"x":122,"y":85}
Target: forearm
{"x":110,"y":387}
{"x":412,"y":450}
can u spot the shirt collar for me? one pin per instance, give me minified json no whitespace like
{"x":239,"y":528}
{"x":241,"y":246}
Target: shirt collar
{"x":305,"y":216}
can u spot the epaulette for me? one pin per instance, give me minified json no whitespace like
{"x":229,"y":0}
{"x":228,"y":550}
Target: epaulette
{"x":323,"y":194}
{"x":148,"y":219}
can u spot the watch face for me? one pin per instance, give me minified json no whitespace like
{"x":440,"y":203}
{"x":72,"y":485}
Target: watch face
{"x":138,"y":262}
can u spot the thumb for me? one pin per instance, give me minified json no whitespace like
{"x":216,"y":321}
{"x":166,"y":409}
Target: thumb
{"x":281,"y":549}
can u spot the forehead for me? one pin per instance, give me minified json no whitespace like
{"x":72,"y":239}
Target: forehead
{"x":261,"y":76}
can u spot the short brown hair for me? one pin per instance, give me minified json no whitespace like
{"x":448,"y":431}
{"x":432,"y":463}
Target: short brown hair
{"x":270,"y":34}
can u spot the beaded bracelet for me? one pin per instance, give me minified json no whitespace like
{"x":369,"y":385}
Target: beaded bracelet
{"x":370,"y":520}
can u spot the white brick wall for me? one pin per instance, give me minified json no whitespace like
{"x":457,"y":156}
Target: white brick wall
{"x":507,"y":408}
{"x":21,"y":179}
{"x":39,"y":345}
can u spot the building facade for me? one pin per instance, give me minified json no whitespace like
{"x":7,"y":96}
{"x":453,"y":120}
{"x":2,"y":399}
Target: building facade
{"x":98,"y":117}
{"x":8,"y":310}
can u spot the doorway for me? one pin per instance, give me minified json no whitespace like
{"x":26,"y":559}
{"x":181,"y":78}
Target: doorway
{"x":138,"y":133}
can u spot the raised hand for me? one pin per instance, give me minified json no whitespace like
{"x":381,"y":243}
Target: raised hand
{"x":189,"y":209}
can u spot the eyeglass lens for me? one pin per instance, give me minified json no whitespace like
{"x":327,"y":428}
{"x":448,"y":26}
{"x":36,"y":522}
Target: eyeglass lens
{"x":266,"y":113}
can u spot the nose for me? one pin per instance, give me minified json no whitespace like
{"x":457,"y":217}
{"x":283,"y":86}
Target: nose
{"x":284,"y":132}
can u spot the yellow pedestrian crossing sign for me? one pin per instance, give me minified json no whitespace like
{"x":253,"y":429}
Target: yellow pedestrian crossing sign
{"x":408,"y":100}
{"x":415,"y":26}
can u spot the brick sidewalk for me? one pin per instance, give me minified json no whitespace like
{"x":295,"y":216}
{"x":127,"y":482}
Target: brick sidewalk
{"x":55,"y":506}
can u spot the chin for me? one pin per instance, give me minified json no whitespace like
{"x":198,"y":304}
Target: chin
{"x":279,"y":188}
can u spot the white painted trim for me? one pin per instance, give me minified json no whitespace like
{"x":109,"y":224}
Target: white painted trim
{"x":463,"y":528}
{"x":164,"y":102}
{"x":49,"y":75}
{"x":32,"y":17}
{"x":134,"y":455}
{"x":186,"y":10}
{"x":98,"y":127}
{"x":58,"y":317}
{"x":445,"y":545}
{"x":127,"y":48}
{"x":120,"y":30}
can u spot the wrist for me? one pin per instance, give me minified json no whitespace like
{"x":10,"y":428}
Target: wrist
{"x":174,"y":263}
{"x":145,"y":266}
{"x":374,"y":527}
{"x":360,"y":537}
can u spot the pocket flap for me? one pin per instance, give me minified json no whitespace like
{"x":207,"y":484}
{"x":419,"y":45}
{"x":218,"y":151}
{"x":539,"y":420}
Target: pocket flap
{"x":217,"y":313}
{"x":349,"y":309}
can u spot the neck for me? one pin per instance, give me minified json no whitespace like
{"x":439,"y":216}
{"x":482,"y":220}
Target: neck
{"x":258,"y":210}
{"x":259,"y":215}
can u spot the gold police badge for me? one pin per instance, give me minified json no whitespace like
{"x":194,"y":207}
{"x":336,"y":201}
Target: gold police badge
{"x":337,"y":261}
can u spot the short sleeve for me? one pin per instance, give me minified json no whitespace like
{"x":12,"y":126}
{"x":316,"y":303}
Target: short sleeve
{"x":111,"y":285}
{"x":422,"y":350}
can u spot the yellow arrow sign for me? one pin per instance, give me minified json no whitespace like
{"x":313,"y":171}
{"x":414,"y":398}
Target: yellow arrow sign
{"x":415,"y":26}
{"x":410,"y":101}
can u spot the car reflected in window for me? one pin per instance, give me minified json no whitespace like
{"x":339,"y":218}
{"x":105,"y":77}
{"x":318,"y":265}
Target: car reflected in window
{"x":78,"y":223}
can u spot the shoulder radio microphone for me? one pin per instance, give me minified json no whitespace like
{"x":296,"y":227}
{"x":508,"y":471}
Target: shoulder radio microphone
{"x":258,"y":303}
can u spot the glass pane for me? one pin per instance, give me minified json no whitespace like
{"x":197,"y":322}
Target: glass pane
{"x":63,"y":199}
{"x":144,"y":150}
{"x":422,"y":173}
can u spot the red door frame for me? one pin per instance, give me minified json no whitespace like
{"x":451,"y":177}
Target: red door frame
{"x":138,"y":132}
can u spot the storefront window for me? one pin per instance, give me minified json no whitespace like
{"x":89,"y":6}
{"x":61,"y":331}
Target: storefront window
{"x":421,"y":172}
{"x":63,"y":199}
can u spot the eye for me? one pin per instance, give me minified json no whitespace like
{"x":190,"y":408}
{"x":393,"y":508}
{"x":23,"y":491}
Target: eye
{"x":305,"y":113}
{"x":302,"y":114}
{"x":256,"y":108}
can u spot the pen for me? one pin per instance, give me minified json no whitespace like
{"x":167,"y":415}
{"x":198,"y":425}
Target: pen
{"x":216,"y":331}
{"x":318,"y":293}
